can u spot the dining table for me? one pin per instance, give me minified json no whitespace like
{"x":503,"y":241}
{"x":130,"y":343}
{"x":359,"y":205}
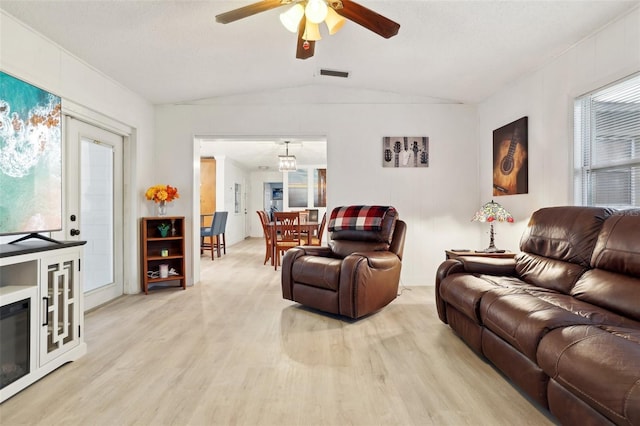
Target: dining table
{"x":308,"y":228}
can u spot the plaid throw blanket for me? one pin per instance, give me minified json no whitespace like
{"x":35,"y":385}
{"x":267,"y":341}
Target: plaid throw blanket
{"x":358,"y":218}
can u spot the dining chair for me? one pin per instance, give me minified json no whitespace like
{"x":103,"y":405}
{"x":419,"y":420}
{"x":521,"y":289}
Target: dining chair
{"x":313,"y":215}
{"x":217,"y":231}
{"x":205,"y":231}
{"x":317,"y":239}
{"x":264,"y":221}
{"x":285,"y":233}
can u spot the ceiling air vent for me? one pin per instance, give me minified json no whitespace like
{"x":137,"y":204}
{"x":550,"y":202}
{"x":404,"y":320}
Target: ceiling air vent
{"x":333,"y":73}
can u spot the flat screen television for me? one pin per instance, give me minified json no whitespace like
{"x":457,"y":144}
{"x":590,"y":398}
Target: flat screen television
{"x":30,"y":159}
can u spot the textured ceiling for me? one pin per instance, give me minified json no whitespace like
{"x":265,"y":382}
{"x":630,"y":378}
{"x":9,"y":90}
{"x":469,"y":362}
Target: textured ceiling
{"x":173,"y":51}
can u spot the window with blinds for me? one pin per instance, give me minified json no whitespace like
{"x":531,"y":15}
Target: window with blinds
{"x":607,"y":146}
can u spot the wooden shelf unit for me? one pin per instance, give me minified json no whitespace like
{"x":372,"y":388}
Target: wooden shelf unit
{"x":157,"y":250}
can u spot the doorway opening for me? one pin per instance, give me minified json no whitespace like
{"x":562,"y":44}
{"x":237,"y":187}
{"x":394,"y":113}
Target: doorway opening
{"x":247,"y":163}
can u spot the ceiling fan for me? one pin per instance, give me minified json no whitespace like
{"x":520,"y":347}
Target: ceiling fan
{"x":305,"y":15}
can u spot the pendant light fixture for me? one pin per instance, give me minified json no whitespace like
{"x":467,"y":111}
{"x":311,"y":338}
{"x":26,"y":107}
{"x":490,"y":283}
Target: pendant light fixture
{"x":287,"y":163}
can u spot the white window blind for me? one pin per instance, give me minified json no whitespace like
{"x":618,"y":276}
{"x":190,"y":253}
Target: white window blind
{"x":607,"y":146}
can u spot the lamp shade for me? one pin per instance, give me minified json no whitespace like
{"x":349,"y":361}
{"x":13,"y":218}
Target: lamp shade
{"x":334,"y":21}
{"x":291,"y":18}
{"x":492,"y":212}
{"x":311,"y":32}
{"x":316,"y":11}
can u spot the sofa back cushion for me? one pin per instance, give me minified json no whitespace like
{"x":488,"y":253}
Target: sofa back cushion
{"x":548,"y":273}
{"x":557,"y":245}
{"x":618,"y":245}
{"x":614,"y":281}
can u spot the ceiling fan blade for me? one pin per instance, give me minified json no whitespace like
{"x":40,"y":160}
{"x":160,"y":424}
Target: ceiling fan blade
{"x":252,"y":9}
{"x":301,"y":52}
{"x":369,"y":19}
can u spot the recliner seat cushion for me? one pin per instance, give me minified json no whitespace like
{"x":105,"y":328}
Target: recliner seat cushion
{"x":600,"y":365}
{"x":464,"y":291}
{"x":523,"y":316}
{"x":316,"y":271}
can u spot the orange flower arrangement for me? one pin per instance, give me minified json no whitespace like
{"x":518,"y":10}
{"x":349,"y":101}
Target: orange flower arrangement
{"x":160,"y":193}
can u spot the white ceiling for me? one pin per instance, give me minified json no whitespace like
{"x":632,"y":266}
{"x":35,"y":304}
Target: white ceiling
{"x":173,"y":51}
{"x":262,"y":154}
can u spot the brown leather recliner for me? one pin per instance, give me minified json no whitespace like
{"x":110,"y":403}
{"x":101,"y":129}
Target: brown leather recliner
{"x":357,"y":274}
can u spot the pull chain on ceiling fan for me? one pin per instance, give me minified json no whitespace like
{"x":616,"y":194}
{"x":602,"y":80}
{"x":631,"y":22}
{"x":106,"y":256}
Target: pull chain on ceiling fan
{"x":305,"y":16}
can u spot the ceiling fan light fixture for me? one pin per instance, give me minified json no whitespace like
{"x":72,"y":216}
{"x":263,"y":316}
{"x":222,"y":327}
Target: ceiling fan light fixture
{"x":316,"y":11}
{"x":334,"y":21}
{"x":291,"y":18}
{"x":311,"y":32}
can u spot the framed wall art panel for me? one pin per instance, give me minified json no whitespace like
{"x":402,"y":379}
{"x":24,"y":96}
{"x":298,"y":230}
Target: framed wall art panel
{"x":510,"y":158}
{"x":405,"y":151}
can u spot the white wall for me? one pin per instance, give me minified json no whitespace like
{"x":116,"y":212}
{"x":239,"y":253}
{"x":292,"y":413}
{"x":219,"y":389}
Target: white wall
{"x":546,"y":97}
{"x":33,"y":58}
{"x":256,"y":200}
{"x":437,"y":202}
{"x":234,"y":174}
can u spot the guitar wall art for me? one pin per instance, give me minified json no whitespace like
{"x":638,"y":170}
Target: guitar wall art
{"x":405,"y":151}
{"x":510,"y":162}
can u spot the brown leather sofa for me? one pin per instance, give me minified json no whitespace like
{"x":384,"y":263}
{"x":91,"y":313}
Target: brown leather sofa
{"x":562,"y":319}
{"x":357,"y":274}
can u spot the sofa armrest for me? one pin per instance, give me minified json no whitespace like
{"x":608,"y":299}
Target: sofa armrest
{"x":470,"y":265}
{"x":446,"y":268}
{"x":368,"y":282}
{"x":379,"y":259}
{"x":488,"y":265}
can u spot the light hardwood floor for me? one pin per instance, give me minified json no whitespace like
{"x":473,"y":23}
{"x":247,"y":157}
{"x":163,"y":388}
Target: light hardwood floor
{"x":231,"y":351}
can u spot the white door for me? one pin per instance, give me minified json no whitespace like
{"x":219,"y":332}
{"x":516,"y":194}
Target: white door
{"x":94,"y":209}
{"x":245,"y":204}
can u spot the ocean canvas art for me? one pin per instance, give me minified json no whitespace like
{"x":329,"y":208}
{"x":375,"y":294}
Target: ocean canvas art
{"x":30,"y":158}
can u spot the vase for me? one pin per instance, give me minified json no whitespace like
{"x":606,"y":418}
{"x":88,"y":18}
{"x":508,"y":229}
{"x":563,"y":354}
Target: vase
{"x":164,"y":230}
{"x":162,"y":208}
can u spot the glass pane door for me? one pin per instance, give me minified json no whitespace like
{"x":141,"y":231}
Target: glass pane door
{"x":94,"y":208}
{"x":97,"y":222}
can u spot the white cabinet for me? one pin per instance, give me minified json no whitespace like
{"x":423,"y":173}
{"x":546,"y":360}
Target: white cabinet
{"x":45,"y":280}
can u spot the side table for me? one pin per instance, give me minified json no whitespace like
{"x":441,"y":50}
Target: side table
{"x":453,"y":254}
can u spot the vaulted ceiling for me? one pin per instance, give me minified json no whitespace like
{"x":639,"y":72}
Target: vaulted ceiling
{"x":173,"y":51}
